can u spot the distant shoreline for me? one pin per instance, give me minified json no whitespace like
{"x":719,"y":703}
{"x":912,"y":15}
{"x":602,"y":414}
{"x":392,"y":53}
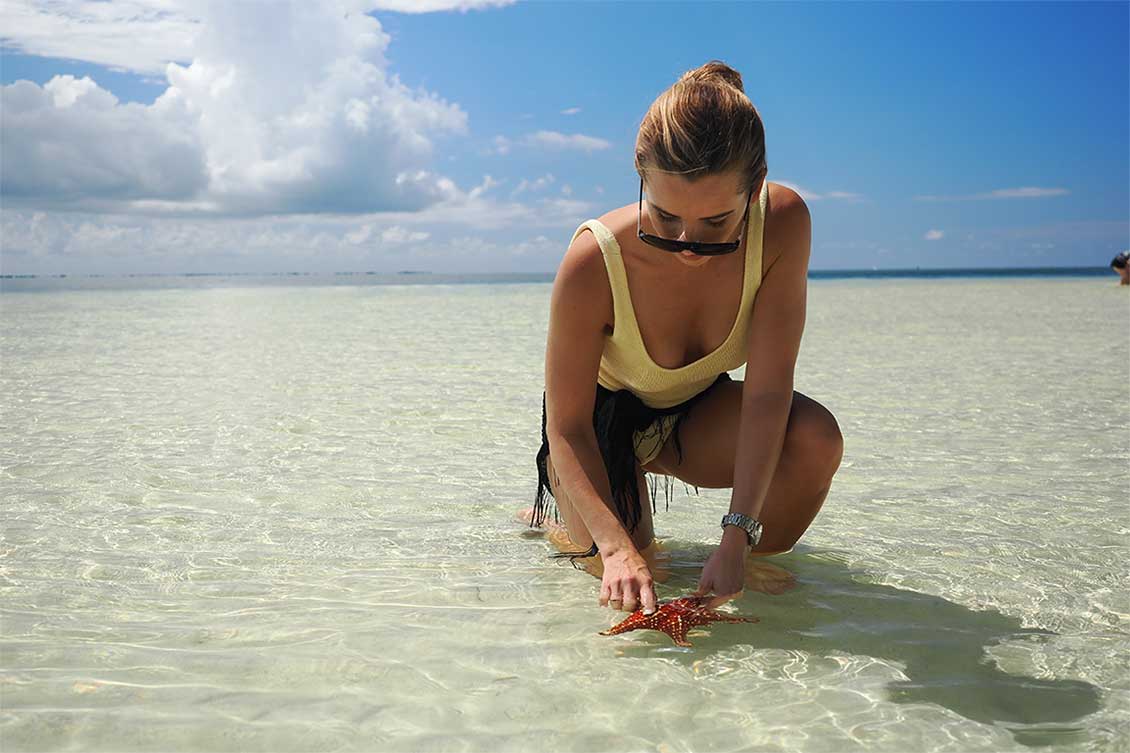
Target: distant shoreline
{"x":13,"y":284}
{"x":501,"y":277}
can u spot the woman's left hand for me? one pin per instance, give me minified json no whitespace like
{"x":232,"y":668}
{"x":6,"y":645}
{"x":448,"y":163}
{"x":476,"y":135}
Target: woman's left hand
{"x":724,"y":573}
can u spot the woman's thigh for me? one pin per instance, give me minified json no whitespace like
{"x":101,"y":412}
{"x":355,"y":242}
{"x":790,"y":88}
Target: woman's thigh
{"x":709,"y":436}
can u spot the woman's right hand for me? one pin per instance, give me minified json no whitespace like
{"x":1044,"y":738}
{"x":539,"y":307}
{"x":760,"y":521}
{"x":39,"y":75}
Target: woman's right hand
{"x":626,"y":583}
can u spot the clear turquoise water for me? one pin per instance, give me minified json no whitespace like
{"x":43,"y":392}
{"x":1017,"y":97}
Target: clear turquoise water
{"x":281,"y":518}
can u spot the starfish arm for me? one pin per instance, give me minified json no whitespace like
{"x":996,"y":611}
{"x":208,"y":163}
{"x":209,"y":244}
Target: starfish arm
{"x":677,"y":629}
{"x":631,"y":623}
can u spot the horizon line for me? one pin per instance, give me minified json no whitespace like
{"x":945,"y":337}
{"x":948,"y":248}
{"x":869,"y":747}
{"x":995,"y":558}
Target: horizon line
{"x":844,"y":270}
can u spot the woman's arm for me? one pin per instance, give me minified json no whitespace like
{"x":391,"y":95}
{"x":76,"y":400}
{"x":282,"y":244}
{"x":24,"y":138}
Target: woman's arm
{"x":774,"y":341}
{"x":580,"y":307}
{"x":577,"y":317}
{"x":778,"y":321}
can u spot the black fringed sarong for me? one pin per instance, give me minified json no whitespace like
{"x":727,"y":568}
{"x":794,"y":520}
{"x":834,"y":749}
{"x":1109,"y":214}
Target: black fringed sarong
{"x":616,"y":417}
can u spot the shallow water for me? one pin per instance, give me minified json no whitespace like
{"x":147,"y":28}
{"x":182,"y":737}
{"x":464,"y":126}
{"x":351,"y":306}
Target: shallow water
{"x":270,"y":518}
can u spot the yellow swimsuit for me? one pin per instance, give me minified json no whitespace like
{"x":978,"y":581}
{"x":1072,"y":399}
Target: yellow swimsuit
{"x":625,"y":362}
{"x":639,"y":403}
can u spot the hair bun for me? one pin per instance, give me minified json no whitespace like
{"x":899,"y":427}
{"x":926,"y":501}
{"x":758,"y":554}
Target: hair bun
{"x":703,"y":124}
{"x":715,"y":72}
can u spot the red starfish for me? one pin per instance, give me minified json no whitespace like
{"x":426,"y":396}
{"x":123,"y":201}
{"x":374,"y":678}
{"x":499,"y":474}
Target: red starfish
{"x":675,"y":618}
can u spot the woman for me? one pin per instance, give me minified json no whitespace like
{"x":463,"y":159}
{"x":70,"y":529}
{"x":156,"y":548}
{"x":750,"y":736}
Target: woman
{"x":642,"y":331}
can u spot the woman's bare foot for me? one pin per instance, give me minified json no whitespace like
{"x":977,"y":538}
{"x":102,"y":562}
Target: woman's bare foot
{"x":767,"y":578}
{"x":525,"y":515}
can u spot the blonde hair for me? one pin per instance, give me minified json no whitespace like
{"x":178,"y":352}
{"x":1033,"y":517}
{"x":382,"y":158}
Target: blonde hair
{"x":703,"y":124}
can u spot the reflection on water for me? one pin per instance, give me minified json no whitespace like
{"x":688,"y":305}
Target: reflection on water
{"x":940,"y":646}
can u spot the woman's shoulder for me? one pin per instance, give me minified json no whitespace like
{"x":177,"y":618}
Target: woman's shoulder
{"x":582,"y":277}
{"x":621,"y":223}
{"x":784,"y":202}
{"x":786,"y":218}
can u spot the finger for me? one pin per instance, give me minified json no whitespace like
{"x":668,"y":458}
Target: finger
{"x":647,"y":596}
{"x":631,"y":601}
{"x":605,"y":594}
{"x":615,"y":598}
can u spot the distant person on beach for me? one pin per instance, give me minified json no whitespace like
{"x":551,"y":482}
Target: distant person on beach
{"x":1120,"y":266}
{"x":649,"y":310}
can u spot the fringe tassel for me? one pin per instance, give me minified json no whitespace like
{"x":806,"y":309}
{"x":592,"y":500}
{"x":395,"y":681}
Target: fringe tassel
{"x":544,"y":492}
{"x":574,"y":556}
{"x":617,"y":416}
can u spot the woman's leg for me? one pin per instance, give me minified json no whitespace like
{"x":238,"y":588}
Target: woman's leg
{"x":810,"y":456}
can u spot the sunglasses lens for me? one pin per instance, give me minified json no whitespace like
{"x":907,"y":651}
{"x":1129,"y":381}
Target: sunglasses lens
{"x":703,"y":249}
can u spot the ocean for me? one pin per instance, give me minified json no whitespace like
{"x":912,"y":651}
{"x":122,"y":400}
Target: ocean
{"x":248,"y":513}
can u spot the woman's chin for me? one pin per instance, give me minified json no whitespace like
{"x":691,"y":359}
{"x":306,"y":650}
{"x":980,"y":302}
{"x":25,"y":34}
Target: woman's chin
{"x":692,"y":260}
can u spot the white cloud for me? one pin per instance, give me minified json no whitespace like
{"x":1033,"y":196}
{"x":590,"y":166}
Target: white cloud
{"x":1029,"y":192}
{"x":566,"y":190}
{"x":934,"y":235}
{"x":38,"y":234}
{"x":1023,"y":193}
{"x":144,"y":35}
{"x":70,"y":140}
{"x":538,"y":245}
{"x":578,"y":141}
{"x":487,"y":214}
{"x":288,"y":107}
{"x":809,"y":195}
{"x":571,"y":111}
{"x":390,"y":235}
{"x":550,"y":139}
{"x":537,"y":184}
{"x":134,"y":35}
{"x":431,"y":6}
{"x":487,"y":184}
{"x":1072,"y":232}
{"x":476,"y":252}
{"x":397,"y":234}
{"x":281,"y":138}
{"x":360,"y":235}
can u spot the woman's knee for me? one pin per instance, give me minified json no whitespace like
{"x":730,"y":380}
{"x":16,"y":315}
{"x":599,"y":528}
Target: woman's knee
{"x":813,"y":438}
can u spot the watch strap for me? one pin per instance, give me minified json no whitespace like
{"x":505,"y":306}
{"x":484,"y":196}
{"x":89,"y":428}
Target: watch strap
{"x":751,"y":526}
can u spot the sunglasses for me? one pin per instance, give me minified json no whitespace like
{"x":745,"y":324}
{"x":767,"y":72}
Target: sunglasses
{"x":702,"y":249}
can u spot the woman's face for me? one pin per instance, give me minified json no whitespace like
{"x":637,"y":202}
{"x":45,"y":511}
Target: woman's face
{"x":708,"y":210}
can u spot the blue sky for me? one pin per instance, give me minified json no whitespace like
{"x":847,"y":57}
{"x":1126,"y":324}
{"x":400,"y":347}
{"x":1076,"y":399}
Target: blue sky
{"x":352,"y":136}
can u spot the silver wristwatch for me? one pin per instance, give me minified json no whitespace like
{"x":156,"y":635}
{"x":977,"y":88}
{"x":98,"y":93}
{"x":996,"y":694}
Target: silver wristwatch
{"x":751,"y":526}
